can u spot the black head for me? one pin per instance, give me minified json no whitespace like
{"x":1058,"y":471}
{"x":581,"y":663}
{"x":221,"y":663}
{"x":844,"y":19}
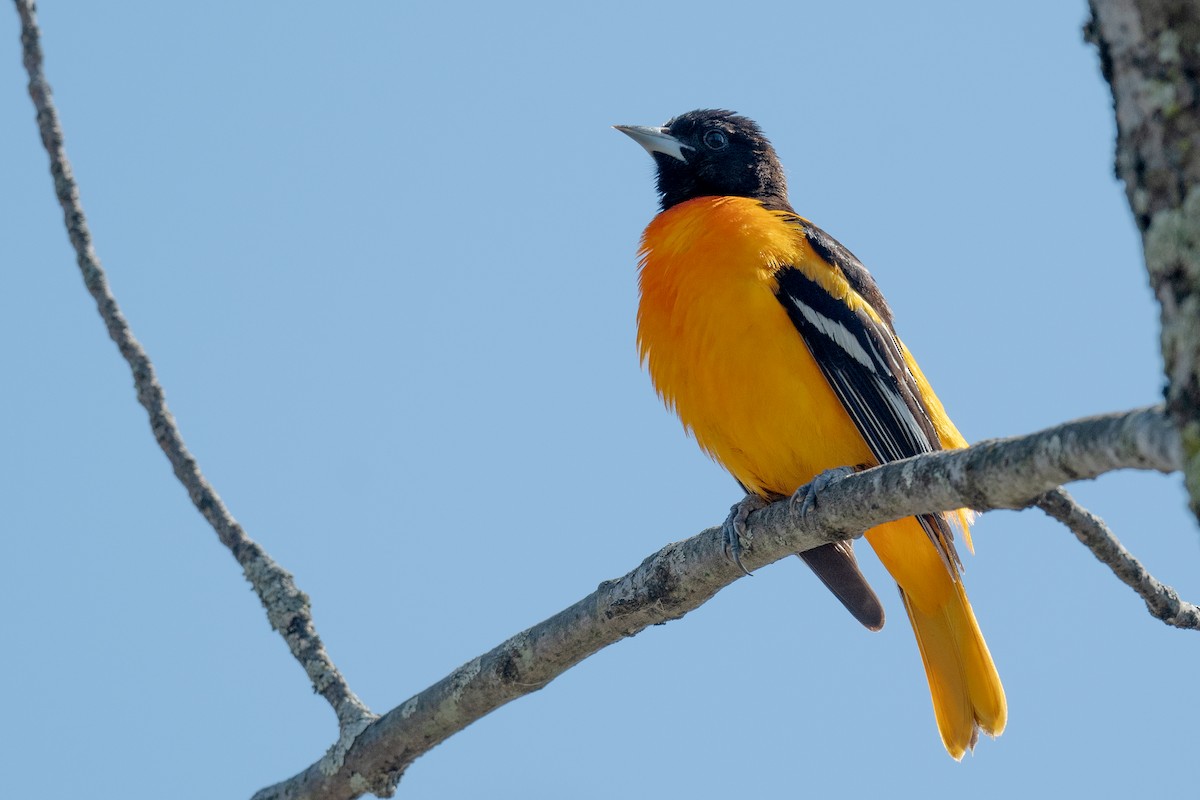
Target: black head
{"x":708,"y":153}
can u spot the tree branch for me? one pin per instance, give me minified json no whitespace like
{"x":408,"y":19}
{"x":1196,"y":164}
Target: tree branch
{"x":287,"y":607}
{"x":1150,"y":56}
{"x":1009,"y":473}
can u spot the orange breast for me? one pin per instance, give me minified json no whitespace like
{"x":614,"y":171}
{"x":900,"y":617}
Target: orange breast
{"x":723,"y":353}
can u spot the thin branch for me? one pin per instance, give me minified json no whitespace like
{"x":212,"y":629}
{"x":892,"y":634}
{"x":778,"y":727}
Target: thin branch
{"x":287,"y":607}
{"x":680,"y":577}
{"x":1161,"y":600}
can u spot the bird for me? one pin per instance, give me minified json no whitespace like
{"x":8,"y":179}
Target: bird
{"x":776,"y":349}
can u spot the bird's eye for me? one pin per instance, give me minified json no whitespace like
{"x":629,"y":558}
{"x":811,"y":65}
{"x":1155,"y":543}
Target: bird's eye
{"x":715,"y":140}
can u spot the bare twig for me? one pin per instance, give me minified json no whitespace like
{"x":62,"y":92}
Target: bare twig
{"x":287,"y":607}
{"x":680,"y":577}
{"x":1161,"y":600}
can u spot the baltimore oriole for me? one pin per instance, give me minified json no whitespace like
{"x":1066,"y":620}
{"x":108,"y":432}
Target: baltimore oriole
{"x":774,"y":346}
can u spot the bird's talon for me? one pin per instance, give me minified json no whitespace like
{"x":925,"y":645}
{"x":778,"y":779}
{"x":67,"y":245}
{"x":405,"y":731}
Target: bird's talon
{"x":734,"y":528}
{"x":805,"y":499}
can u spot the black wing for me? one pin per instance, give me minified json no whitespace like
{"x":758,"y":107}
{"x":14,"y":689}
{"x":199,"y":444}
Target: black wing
{"x":864,"y":364}
{"x":834,"y":252}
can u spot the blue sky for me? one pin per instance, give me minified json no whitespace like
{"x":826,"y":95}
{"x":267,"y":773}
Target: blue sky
{"x":384,"y":260}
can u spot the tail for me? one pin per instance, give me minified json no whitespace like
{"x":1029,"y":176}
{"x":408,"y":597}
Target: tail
{"x":964,"y":684}
{"x":966,"y":690}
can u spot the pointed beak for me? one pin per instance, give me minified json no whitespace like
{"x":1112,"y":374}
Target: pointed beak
{"x":655,"y":140}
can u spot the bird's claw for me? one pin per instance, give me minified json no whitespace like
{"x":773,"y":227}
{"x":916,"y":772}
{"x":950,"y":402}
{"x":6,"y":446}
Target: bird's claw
{"x":734,"y":528}
{"x":805,"y":498}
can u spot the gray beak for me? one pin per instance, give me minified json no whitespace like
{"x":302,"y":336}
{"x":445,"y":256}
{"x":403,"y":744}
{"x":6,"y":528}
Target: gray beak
{"x":655,"y":140}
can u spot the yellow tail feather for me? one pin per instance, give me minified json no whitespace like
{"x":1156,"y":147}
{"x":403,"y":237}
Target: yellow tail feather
{"x":963,"y":682}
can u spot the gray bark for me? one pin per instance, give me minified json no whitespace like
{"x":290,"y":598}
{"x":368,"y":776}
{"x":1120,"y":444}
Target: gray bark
{"x":1150,"y":56}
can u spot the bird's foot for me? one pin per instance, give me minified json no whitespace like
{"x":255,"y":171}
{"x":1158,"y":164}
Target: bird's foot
{"x":734,"y":528}
{"x":805,"y":498}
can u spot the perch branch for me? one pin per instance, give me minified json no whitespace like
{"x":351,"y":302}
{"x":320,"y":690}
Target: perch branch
{"x":1011,"y":473}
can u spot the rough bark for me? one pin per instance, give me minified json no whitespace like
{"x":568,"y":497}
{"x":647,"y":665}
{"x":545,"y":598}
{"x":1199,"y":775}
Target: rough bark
{"x":1150,"y":56}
